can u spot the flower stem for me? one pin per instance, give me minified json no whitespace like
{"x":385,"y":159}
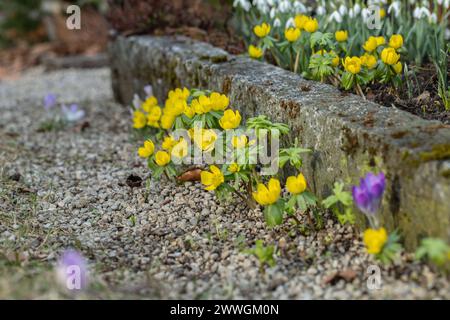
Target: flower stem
{"x":297,"y":58}
{"x":359,"y":90}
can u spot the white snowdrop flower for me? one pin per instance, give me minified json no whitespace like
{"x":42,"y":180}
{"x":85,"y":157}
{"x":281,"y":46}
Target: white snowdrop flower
{"x":290,"y":23}
{"x":336,"y":16}
{"x":447,"y":34}
{"x":284,"y":6}
{"x":321,"y":11}
{"x":365,"y":13}
{"x":421,"y":12}
{"x":395,"y":8}
{"x":276,"y":22}
{"x":356,"y":9}
{"x":343,"y":10}
{"x":299,"y":7}
{"x":273,"y":13}
{"x":432,"y":18}
{"x":244,"y":4}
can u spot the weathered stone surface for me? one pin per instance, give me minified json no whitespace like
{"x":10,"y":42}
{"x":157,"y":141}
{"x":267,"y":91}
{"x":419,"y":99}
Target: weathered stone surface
{"x":349,"y":135}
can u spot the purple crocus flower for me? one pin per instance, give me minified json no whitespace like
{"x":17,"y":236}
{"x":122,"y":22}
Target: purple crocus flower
{"x":49,"y":101}
{"x":368,"y":195}
{"x":72,"y":270}
{"x":72,"y":113}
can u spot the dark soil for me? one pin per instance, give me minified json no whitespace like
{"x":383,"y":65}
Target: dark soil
{"x":423,"y":101}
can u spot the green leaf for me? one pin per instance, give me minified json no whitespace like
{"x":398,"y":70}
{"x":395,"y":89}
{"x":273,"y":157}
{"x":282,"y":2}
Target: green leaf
{"x":273,"y":215}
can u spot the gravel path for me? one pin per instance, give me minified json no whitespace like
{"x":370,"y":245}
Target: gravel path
{"x":68,"y":188}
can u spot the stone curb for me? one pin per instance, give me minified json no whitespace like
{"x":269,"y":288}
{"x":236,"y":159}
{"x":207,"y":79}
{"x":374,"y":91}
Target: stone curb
{"x":349,"y":135}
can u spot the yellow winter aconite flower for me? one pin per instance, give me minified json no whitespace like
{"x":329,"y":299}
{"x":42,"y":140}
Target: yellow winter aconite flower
{"x":212,"y":179}
{"x":180,"y":149}
{"x":396,"y":41}
{"x":255,"y":52}
{"x":371,"y":44}
{"x":149,"y":103}
{"x":375,"y":240}
{"x":168,"y":143}
{"x":389,"y":56}
{"x":341,"y":35}
{"x":335,"y":61}
{"x":204,"y":138}
{"x":230,"y":119}
{"x":382,"y":13}
{"x":311,"y":25}
{"x":175,"y":106}
{"x":201,"y":105}
{"x":162,"y":158}
{"x":292,"y":34}
{"x":296,"y":185}
{"x":147,"y":150}
{"x":167,"y":121}
{"x":369,"y":61}
{"x":189,"y":112}
{"x":268,"y":195}
{"x":380,"y":40}
{"x":262,"y":30}
{"x":179,"y":93}
{"x":239,"y":142}
{"x":398,"y":67}
{"x":352,"y":65}
{"x":139,"y":119}
{"x":219,"y":101}
{"x":154,"y":114}
{"x":300,"y":21}
{"x":234,"y":167}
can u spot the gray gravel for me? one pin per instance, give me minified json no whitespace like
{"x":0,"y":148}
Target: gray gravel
{"x":160,"y":240}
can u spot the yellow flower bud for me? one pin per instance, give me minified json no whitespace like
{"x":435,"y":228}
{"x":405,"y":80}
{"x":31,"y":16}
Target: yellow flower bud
{"x":230,"y":119}
{"x":389,"y":56}
{"x":212,"y":179}
{"x":341,"y":35}
{"x":296,"y":185}
{"x":180,"y":149}
{"x":239,"y":142}
{"x":375,"y":240}
{"x":147,"y":150}
{"x":398,"y":67}
{"x":168,"y":143}
{"x":262,"y":30}
{"x":352,"y":65}
{"x":380,"y":40}
{"x":139,"y":120}
{"x":396,"y":41}
{"x":255,"y":52}
{"x":311,"y":25}
{"x":369,"y":61}
{"x":300,"y":21}
{"x":371,"y":44}
{"x":167,"y":121}
{"x":154,"y":114}
{"x":234,"y":167}
{"x":292,"y":34}
{"x":219,"y":101}
{"x":149,"y":103}
{"x":162,"y":158}
{"x":268,"y":195}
